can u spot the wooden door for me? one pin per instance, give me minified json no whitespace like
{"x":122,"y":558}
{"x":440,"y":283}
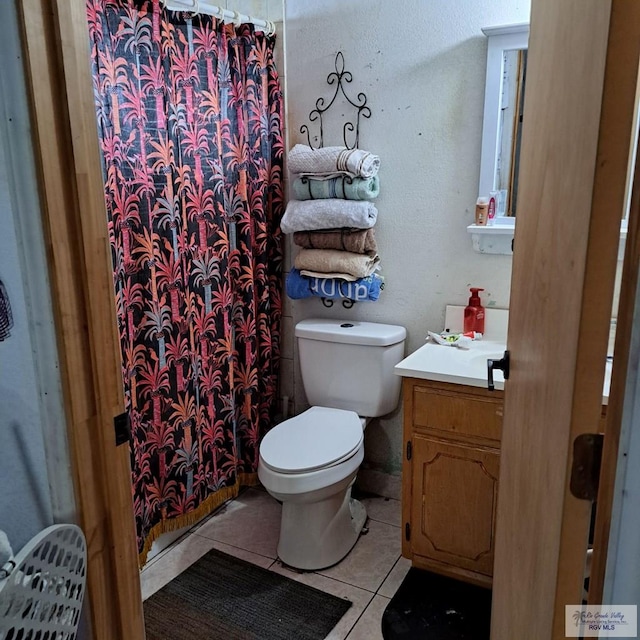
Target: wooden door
{"x":453,"y":503}
{"x":578,"y":115}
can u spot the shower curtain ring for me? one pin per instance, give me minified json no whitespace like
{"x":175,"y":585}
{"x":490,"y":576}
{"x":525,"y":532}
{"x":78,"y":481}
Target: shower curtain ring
{"x":271,"y":28}
{"x":236,"y":19}
{"x":196,"y":9}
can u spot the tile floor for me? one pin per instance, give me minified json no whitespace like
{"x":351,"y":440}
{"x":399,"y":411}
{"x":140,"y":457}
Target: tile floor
{"x":369,"y":576}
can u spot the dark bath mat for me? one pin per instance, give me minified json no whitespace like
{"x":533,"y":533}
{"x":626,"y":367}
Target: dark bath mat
{"x":224,"y":598}
{"x":431,"y":607}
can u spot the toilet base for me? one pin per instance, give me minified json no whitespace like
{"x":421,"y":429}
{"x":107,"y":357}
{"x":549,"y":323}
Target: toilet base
{"x":316,"y":535}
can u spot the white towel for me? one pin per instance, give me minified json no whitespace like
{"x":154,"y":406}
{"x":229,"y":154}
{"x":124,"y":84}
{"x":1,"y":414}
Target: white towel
{"x":330,"y":160}
{"x":312,"y":215}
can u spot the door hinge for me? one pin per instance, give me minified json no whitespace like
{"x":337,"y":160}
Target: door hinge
{"x":585,"y":469}
{"x":409,"y":450}
{"x":122,"y":427}
{"x":407,"y":531}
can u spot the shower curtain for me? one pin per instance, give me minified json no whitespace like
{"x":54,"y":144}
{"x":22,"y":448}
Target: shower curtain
{"x":190,"y":123}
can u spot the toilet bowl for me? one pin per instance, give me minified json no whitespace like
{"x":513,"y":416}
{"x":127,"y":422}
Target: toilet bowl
{"x":310,"y":461}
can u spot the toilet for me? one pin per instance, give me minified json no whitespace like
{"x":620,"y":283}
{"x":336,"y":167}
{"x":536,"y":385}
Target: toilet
{"x":310,"y":461}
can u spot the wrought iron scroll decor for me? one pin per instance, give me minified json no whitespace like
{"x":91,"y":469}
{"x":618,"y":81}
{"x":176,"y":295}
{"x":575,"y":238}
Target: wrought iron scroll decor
{"x":347,"y":303}
{"x":339,"y":78}
{"x":344,"y":178}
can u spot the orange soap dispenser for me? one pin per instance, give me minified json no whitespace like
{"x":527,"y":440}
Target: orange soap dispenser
{"x":474,"y":312}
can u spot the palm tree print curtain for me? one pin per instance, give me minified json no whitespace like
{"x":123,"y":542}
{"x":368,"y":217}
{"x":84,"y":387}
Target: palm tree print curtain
{"x":190,"y":122}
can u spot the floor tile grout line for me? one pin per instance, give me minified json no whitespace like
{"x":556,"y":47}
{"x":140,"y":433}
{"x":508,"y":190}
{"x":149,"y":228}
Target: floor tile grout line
{"x":357,"y":586}
{"x":373,"y":595}
{"x":388,"y":574}
{"x":397,"y":526}
{"x":324,"y":575}
{"x":255,"y":553}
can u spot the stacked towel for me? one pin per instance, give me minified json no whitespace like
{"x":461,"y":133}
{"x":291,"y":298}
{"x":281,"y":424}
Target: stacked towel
{"x":337,"y":187}
{"x":363,"y":289}
{"x":313,"y":215}
{"x":332,"y":221}
{"x":331,"y":160}
{"x":333,"y":261}
{"x":347,"y":239}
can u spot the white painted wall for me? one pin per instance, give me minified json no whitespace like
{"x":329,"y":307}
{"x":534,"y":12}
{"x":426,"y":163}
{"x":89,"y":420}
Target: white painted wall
{"x":422,"y":67}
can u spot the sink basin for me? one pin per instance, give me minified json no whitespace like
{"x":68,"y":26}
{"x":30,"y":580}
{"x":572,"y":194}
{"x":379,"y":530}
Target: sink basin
{"x":449,"y":364}
{"x":482,"y":358}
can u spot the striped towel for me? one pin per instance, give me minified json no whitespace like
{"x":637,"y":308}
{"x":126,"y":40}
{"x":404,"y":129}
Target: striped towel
{"x":6,"y":317}
{"x":343,"y":187}
{"x":355,"y":240}
{"x":331,"y":160}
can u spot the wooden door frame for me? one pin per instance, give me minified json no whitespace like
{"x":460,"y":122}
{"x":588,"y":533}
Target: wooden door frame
{"x":57,"y":67}
{"x":574,"y":171}
{"x":619,"y":390}
{"x":624,"y":47}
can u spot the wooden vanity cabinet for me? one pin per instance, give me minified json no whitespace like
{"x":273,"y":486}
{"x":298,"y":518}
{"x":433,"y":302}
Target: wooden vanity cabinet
{"x":450,"y":477}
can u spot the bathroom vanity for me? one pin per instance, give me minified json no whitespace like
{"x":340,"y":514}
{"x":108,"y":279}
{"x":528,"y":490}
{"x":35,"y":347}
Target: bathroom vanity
{"x":450,"y":477}
{"x":452,"y":429}
{"x":451,"y":455}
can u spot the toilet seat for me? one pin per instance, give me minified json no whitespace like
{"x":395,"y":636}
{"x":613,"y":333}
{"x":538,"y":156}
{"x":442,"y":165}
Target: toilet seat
{"x":316,"y":439}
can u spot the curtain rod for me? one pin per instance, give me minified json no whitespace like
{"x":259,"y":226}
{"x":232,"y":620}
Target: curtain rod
{"x":202,"y":6}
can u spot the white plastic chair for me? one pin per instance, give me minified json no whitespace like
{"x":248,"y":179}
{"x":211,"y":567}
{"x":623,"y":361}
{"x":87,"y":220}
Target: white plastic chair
{"x":41,"y":598}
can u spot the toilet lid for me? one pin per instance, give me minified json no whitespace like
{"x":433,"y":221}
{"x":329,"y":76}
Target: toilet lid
{"x":315,"y":439}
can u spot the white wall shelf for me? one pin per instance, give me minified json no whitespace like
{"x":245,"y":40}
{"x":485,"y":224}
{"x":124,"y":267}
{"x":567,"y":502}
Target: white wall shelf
{"x":496,"y":238}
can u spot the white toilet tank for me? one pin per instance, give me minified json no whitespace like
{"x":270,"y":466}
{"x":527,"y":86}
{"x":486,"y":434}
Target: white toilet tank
{"x":347,"y":364}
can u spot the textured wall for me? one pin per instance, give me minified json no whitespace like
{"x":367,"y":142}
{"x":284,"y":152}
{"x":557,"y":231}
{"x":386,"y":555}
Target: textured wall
{"x":422,"y":66}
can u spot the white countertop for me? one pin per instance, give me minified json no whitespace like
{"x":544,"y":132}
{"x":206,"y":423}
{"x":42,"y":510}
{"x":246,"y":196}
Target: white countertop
{"x":458,"y":366}
{"x":451,"y":364}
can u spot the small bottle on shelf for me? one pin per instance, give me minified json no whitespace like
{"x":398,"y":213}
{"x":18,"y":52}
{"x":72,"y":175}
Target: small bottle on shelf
{"x":493,"y":207}
{"x":482,"y":209}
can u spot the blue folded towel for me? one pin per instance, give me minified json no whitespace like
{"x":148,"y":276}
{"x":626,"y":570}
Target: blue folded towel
{"x":299,"y":286}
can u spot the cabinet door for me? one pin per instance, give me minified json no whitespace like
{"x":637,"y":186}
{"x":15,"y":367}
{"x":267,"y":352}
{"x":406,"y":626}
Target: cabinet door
{"x":453,"y":504}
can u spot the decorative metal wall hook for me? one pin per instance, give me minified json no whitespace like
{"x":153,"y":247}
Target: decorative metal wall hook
{"x":343,"y":180}
{"x":347,"y":303}
{"x":339,"y":78}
